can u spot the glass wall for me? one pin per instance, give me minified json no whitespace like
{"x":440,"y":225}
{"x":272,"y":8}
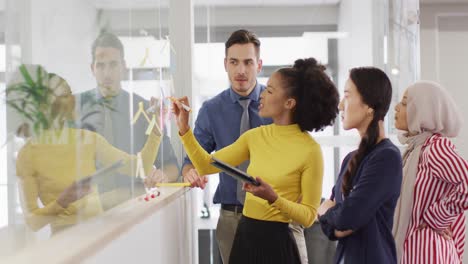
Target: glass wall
{"x":88,"y":87}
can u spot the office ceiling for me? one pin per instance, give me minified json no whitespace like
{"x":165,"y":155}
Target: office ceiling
{"x":444,"y":1}
{"x":137,"y":4}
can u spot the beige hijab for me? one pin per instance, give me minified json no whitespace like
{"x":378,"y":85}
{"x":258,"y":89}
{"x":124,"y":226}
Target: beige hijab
{"x":430,"y":109}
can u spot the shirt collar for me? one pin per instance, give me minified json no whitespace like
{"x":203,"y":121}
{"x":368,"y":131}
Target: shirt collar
{"x":110,"y":99}
{"x":253,"y":96}
{"x":431,"y":139}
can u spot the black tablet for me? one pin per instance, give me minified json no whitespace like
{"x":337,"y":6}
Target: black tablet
{"x":234,"y":172}
{"x":103,"y":172}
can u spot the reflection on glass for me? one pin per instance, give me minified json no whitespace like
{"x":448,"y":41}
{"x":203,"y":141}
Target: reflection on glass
{"x":113,"y":123}
{"x":57,"y":156}
{"x":113,"y":57}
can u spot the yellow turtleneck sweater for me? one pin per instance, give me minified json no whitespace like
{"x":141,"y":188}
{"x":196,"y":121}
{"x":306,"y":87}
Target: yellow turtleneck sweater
{"x":47,"y":165}
{"x":284,"y":157}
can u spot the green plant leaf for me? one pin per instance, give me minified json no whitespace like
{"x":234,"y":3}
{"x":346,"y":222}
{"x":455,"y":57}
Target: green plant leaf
{"x":26,"y":75}
{"x":21,"y":112}
{"x":39,"y":76}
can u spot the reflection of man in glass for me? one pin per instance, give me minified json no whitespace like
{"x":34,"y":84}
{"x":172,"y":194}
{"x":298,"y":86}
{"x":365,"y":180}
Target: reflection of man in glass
{"x":52,"y":167}
{"x":114,"y":122}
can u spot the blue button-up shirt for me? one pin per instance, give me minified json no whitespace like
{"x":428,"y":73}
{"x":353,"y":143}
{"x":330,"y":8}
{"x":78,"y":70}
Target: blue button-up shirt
{"x":218,"y":125}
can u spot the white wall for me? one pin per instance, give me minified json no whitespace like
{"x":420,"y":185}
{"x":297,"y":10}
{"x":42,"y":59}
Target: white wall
{"x":230,"y":16}
{"x":444,"y":57}
{"x":56,"y":34}
{"x":356,"y":49}
{"x":355,"y":18}
{"x":164,"y":237}
{"x":62,"y":33}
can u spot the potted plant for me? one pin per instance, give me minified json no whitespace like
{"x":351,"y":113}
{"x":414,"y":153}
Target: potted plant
{"x":33,"y":98}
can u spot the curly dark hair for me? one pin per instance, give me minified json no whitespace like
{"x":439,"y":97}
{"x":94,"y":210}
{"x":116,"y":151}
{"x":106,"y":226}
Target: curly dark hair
{"x":375,"y":89}
{"x":316,"y":95}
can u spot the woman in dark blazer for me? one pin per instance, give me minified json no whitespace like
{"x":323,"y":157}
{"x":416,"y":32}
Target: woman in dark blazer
{"x":360,"y":213}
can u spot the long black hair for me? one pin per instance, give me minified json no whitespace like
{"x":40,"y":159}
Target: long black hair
{"x":375,"y":89}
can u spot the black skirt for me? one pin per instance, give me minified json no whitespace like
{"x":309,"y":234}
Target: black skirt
{"x":259,"y":242}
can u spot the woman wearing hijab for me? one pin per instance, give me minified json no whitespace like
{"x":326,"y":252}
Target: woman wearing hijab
{"x":429,"y":224}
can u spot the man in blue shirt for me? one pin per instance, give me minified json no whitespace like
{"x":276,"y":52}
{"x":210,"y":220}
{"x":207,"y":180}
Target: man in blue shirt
{"x":113,"y":121}
{"x":218,"y":125}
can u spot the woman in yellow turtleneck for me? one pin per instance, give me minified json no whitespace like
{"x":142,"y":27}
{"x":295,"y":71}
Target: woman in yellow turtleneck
{"x":299,"y":99}
{"x":51,"y":162}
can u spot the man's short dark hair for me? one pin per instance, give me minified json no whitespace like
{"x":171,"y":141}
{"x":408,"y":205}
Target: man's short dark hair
{"x":243,"y":36}
{"x":107,"y":40}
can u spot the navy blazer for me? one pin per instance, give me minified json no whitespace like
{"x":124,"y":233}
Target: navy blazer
{"x":368,"y":209}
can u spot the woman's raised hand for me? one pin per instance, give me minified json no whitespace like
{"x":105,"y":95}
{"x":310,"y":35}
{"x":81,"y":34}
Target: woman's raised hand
{"x":181,"y":114}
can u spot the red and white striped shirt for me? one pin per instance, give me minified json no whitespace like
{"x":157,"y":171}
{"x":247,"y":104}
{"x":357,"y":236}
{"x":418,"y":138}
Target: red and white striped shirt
{"x":440,"y":199}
